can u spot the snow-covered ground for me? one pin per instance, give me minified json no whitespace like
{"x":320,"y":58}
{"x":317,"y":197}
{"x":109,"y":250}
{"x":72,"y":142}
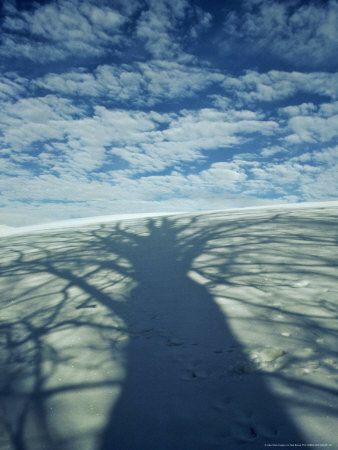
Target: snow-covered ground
{"x":178,"y":332}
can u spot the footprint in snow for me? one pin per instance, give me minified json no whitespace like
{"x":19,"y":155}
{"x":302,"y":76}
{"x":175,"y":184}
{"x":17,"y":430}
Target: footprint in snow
{"x":222,"y":405}
{"x":190,"y":375}
{"x":246,"y":433}
{"x":249,"y":430}
{"x":174,"y":342}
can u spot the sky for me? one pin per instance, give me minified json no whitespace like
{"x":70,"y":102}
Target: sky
{"x":129,"y":106}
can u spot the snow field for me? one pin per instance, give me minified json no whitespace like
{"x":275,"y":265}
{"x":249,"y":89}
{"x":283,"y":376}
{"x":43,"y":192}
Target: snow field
{"x":204,"y":331}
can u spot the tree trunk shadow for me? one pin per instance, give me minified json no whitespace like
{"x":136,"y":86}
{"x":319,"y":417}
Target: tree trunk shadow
{"x":188,"y":383}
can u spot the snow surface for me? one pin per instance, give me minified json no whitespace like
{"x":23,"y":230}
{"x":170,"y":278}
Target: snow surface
{"x":73,"y":223}
{"x":185,"y":332}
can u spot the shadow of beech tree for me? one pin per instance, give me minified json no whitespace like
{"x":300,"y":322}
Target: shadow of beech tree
{"x":166,"y":333}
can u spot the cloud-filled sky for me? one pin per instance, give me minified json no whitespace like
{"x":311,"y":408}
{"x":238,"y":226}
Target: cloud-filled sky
{"x":127,"y":106}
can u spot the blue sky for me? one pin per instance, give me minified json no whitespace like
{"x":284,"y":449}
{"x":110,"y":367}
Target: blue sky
{"x":127,"y":106}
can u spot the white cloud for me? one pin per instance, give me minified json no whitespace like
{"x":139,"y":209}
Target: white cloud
{"x":83,"y":28}
{"x":311,"y":123}
{"x":203,"y":21}
{"x":328,"y":109}
{"x":236,"y":183}
{"x":276,"y":85}
{"x":327,"y":155}
{"x":298,"y":110}
{"x":211,"y":128}
{"x":12,"y":86}
{"x":169,"y":79}
{"x":90,"y":140}
{"x":306,"y":109}
{"x":77,"y":82}
{"x":222,"y":176}
{"x":80,"y":154}
{"x":40,"y":109}
{"x":283,"y":173}
{"x":309,"y":177}
{"x":139,"y":83}
{"x":60,"y":29}
{"x":312,"y":129}
{"x":221,"y":101}
{"x":23,"y":47}
{"x":102,"y":17}
{"x":127,"y":134}
{"x":187,"y":136}
{"x":304,"y":34}
{"x":37,"y":119}
{"x":273,"y":150}
{"x":155,"y":29}
{"x":150,"y":142}
{"x":324,"y":184}
{"x":162,"y":28}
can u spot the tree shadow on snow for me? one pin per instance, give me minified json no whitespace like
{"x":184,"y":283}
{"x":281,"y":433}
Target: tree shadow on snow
{"x":137,"y":298}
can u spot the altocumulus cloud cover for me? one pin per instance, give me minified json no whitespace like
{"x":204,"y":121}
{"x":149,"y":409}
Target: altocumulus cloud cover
{"x":126,"y":106}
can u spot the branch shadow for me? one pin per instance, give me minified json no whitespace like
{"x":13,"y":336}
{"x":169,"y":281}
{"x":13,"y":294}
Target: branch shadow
{"x":119,"y":336}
